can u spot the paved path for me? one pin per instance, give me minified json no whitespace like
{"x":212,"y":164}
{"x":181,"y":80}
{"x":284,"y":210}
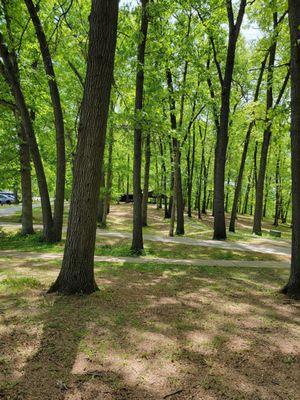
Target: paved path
{"x":145,"y":260}
{"x":258,"y":245}
{"x":6,"y":211}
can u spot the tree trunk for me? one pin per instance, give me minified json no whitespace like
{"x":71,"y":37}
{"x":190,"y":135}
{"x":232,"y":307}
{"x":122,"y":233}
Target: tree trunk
{"x":177,"y":152}
{"x":137,"y":234}
{"x":247,"y":194}
{"x":101,"y":201}
{"x":179,"y":201}
{"x":164,"y":178}
{"x":146,"y":180}
{"x":24,"y":155}
{"x":277,"y":194}
{"x":191,"y":166}
{"x":259,"y":195}
{"x":77,"y":272}
{"x":11,"y":74}
{"x":59,"y":122}
{"x":222,"y":134}
{"x":266,"y":191}
{"x":239,"y":182}
{"x":292,"y":288}
{"x":109,"y":177}
{"x":285,"y":211}
{"x":128,"y":179}
{"x":174,"y":202}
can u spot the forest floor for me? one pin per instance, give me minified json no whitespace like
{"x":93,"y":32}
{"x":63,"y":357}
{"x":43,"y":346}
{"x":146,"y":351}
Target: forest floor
{"x":153,"y":331}
{"x":182,"y":322}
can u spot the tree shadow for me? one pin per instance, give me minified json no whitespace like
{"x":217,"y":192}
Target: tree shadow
{"x":151,"y":331}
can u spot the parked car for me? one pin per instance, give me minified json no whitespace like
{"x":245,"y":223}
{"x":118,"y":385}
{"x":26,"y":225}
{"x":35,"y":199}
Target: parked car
{"x":5,"y":199}
{"x":11,"y":196}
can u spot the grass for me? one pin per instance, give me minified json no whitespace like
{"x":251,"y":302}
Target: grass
{"x":153,"y":330}
{"x":13,"y":240}
{"x":120,"y":219}
{"x":150,"y":331}
{"x":121,"y":248}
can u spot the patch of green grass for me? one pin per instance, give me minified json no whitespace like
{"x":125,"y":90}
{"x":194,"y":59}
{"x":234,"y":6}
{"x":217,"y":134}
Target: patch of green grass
{"x":20,"y":283}
{"x":35,"y":242}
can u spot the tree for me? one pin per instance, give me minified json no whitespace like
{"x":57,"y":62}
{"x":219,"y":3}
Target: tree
{"x":10,"y":70}
{"x":292,"y":288}
{"x":259,"y":194}
{"x":137,"y":234}
{"x":59,"y":122}
{"x":222,"y":134}
{"x":245,"y":151}
{"x":77,"y":272}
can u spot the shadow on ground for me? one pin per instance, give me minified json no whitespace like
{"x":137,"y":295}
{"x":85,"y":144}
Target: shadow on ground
{"x":152,"y":332}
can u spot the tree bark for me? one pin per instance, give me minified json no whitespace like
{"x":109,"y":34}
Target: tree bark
{"x":292,"y":288}
{"x":137,"y":234}
{"x":177,"y":188}
{"x":277,"y":193}
{"x":77,"y":272}
{"x":12,"y":76}
{"x":146,"y":180}
{"x":164,"y":178}
{"x":101,"y":201}
{"x":24,"y":155}
{"x":58,"y":118}
{"x":239,"y":182}
{"x":109,"y":177}
{"x":222,"y":134}
{"x":190,"y":165}
{"x":266,"y":195}
{"x":259,"y":195}
{"x":176,"y":180}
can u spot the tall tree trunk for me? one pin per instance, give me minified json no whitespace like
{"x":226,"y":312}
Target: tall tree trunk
{"x":222,"y":134}
{"x":247,"y":194}
{"x":239,"y":182}
{"x":137,"y":234}
{"x":77,"y":272}
{"x":180,"y":200}
{"x":25,"y":172}
{"x":24,"y":155}
{"x":292,"y":288}
{"x":176,"y":180}
{"x":259,"y":195}
{"x":109,"y":177}
{"x":200,"y":181}
{"x":191,"y":165}
{"x":101,"y":201}
{"x":266,"y":195}
{"x":277,"y":193}
{"x":286,"y":211}
{"x":146,"y":180}
{"x":177,"y":188}
{"x":171,"y":178}
{"x":266,"y":141}
{"x":58,"y":118}
{"x":128,"y":179}
{"x":164,"y":178}
{"x":11,"y":74}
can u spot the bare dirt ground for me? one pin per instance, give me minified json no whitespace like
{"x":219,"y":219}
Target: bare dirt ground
{"x":151,"y":332}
